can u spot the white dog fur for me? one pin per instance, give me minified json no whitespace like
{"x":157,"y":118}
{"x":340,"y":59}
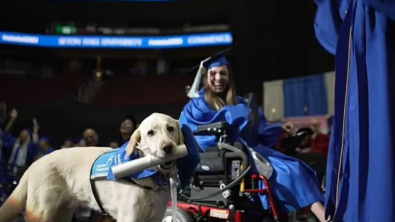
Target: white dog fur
{"x":57,"y":184}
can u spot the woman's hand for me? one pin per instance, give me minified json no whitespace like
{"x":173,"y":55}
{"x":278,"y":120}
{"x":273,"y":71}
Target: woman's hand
{"x":289,"y":128}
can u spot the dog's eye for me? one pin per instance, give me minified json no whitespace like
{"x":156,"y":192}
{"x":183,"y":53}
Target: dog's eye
{"x":150,"y":133}
{"x":170,"y":129}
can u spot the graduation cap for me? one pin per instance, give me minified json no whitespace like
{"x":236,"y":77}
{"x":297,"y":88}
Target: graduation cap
{"x":46,"y":139}
{"x":206,"y":64}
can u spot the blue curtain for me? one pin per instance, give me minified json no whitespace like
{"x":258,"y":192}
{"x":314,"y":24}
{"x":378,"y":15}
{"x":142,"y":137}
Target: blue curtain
{"x":316,"y":97}
{"x":294,"y":97}
{"x":305,"y":96}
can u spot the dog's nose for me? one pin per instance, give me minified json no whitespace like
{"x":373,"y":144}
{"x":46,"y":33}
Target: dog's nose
{"x":167,"y":148}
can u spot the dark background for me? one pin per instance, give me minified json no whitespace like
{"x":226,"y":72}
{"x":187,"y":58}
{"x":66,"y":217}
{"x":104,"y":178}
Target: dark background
{"x":271,"y":40}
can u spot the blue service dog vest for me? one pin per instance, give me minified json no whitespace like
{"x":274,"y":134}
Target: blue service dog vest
{"x":101,"y":169}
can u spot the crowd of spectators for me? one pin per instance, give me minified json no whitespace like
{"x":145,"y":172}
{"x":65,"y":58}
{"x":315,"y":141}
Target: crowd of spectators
{"x":19,"y":151}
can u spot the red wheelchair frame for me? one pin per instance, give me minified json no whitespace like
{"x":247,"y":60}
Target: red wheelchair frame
{"x":231,"y":215}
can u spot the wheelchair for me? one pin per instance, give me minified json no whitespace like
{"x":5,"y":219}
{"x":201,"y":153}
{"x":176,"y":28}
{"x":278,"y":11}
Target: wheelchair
{"x":223,"y":187}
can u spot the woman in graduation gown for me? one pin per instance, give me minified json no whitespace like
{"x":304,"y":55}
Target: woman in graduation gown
{"x":294,"y":184}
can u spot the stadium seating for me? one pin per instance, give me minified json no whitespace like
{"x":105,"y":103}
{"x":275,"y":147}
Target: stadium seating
{"x":144,"y":90}
{"x":34,"y":92}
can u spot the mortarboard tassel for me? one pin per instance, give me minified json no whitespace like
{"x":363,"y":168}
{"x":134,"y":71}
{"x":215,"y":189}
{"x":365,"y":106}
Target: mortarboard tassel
{"x":194,"y":90}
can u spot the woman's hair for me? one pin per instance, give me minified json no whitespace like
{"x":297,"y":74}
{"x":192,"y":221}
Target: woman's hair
{"x":214,"y":100}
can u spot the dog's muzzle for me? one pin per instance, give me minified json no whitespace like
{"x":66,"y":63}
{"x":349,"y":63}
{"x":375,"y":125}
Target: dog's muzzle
{"x":167,"y":165}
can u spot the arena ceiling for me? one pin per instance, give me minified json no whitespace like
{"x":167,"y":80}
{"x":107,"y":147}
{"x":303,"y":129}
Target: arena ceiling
{"x":35,"y":15}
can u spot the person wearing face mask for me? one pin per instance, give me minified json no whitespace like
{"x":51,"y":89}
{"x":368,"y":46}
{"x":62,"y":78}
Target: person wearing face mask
{"x":294,"y":183}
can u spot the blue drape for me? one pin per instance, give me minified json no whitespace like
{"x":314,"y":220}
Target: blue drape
{"x":294,"y":97}
{"x":305,"y":96}
{"x":360,"y":171}
{"x":315,"y":94}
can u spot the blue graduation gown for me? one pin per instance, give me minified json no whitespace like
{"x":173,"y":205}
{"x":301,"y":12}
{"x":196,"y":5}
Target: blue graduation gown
{"x":360,"y":172}
{"x":4,"y":152}
{"x":6,"y":174}
{"x":294,"y":184}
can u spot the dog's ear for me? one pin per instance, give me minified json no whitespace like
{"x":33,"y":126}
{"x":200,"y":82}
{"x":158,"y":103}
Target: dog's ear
{"x":134,"y":139}
{"x":180,"y":136}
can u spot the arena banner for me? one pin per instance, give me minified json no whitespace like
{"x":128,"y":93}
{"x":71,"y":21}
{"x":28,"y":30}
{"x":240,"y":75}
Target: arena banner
{"x":137,"y":42}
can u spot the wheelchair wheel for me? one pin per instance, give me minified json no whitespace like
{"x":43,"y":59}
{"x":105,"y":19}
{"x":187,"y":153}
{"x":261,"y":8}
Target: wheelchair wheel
{"x":182,"y":216}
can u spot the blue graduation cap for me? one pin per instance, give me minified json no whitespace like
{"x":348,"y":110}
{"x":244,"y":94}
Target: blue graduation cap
{"x":214,"y":61}
{"x":45,"y":139}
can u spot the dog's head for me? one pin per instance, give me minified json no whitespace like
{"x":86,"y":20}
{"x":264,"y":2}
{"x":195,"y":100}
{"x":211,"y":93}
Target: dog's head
{"x":160,"y":133}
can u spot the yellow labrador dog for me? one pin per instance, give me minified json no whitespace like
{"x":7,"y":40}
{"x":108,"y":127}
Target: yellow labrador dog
{"x":55,"y":185}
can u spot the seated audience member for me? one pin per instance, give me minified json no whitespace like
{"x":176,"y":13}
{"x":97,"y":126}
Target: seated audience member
{"x":68,"y":143}
{"x":80,"y":143}
{"x":126,"y":129}
{"x":45,"y":147}
{"x":320,"y":141}
{"x":91,"y":138}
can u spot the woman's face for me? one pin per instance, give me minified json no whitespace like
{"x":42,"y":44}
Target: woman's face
{"x":218,"y":79}
{"x":127,"y":126}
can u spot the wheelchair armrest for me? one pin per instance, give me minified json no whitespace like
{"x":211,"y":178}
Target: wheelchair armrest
{"x":213,"y":128}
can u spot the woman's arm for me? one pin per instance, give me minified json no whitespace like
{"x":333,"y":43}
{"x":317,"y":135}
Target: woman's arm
{"x":269,"y":133}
